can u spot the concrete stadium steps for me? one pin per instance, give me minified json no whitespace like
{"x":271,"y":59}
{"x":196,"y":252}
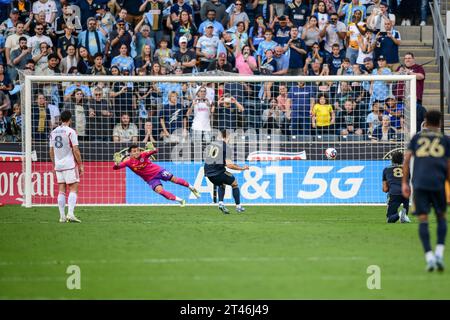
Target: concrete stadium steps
{"x":416,"y":33}
{"x":419,"y":40}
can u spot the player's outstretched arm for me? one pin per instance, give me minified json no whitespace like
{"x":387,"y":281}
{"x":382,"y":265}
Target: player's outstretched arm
{"x":234,"y":166}
{"x":118,"y":164}
{"x":148,"y":153}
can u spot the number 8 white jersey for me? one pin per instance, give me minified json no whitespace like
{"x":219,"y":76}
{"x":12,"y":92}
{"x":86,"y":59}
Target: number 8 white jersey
{"x":62,"y":139}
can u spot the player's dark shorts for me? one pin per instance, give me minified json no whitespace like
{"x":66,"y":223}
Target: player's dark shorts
{"x":424,"y":199}
{"x":221,"y":179}
{"x":162,"y":175}
{"x":394,"y":203}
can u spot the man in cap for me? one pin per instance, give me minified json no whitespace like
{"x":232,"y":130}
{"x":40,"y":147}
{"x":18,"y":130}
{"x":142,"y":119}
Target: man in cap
{"x":185,"y":57}
{"x":221,"y":64}
{"x":207,"y":46}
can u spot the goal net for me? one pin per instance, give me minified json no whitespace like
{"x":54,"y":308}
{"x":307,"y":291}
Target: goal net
{"x":278,"y":125}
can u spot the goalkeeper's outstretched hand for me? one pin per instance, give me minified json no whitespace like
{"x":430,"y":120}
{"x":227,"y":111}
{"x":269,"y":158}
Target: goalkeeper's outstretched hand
{"x":149,"y":147}
{"x":117,"y":158}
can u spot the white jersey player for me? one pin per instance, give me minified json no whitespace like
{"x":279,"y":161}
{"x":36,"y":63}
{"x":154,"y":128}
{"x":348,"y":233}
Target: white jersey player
{"x":66,"y":158}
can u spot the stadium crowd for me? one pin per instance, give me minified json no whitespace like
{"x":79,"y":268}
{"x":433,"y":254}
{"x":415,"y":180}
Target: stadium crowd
{"x":221,"y":37}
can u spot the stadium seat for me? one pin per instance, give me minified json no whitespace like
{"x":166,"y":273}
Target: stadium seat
{"x":353,"y":138}
{"x":328,"y":138}
{"x":302,"y":138}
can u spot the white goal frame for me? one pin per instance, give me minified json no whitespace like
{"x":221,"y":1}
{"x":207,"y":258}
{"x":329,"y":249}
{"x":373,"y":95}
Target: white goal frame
{"x":30,"y":79}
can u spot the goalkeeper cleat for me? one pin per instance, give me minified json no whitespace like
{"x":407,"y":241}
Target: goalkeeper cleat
{"x":62,"y":220}
{"x":182,"y":203}
{"x":224,"y":209}
{"x":440,"y":263}
{"x":73,"y":219}
{"x":195,"y":192}
{"x":240,"y":209}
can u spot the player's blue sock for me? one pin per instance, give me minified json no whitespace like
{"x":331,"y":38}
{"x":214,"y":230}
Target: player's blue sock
{"x":237,"y":195}
{"x":221,"y":193}
{"x":393,"y":218}
{"x":424,"y":235}
{"x":441,"y":230}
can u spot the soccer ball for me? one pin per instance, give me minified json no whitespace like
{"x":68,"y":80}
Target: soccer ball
{"x":331,"y":153}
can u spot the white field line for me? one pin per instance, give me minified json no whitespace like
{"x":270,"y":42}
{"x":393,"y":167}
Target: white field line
{"x":193,"y":221}
{"x":221,"y":278}
{"x":178,"y":260}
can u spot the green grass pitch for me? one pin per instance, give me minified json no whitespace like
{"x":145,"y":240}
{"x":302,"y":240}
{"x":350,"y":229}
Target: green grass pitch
{"x":274,"y":252}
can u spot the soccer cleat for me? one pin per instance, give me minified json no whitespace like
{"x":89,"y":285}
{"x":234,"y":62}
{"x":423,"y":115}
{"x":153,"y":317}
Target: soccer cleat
{"x":404,"y":217}
{"x":440,"y":264}
{"x":73,"y":219}
{"x":195,"y":192}
{"x":224,"y":209}
{"x":240,"y":209}
{"x":182,"y":203}
{"x":62,"y":220}
{"x":431,"y":265}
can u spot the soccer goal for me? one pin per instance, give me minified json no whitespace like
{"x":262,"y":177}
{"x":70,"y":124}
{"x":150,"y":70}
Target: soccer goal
{"x":280,"y":126}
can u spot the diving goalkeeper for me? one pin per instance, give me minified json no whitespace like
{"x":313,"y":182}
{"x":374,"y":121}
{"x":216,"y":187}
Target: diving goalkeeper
{"x":151,"y":173}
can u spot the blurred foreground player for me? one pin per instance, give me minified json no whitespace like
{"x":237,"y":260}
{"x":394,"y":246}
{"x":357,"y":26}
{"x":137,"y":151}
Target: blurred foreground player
{"x":217,"y":159}
{"x":151,"y":173}
{"x":431,"y":151}
{"x":392,"y":183}
{"x":66,"y":159}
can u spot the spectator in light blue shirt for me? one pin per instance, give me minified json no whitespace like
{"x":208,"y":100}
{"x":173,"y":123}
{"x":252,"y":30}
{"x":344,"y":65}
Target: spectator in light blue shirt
{"x":267,"y":44}
{"x":77,"y":85}
{"x":282,"y":61}
{"x":349,"y":9}
{"x":123,"y":61}
{"x":218,"y":27}
{"x":92,"y":39}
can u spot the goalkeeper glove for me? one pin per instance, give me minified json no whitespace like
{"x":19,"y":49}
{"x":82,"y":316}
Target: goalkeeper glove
{"x":149,"y":146}
{"x":117,"y":158}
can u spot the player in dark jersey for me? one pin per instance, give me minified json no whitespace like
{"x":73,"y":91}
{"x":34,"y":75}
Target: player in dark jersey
{"x":392,"y":183}
{"x":217,"y":158}
{"x":431,"y":151}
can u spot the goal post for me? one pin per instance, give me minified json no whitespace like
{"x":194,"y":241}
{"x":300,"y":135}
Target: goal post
{"x":278,"y":125}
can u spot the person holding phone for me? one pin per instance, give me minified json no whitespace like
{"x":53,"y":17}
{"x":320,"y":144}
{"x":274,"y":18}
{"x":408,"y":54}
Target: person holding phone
{"x":347,"y":10}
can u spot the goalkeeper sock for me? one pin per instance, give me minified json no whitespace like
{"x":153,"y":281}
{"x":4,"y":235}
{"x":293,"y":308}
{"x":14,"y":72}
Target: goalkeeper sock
{"x":72,"y":200}
{"x":62,"y":204}
{"x":237,"y":196}
{"x":182,"y":182}
{"x":168,"y":195}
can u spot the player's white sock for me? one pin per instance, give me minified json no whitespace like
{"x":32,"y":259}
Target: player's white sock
{"x":238,"y":206}
{"x":191,"y":187}
{"x":178,"y":199}
{"x":220,"y":203}
{"x":72,"y":200}
{"x":429,"y":256}
{"x":62,"y":204}
{"x":439,"y":252}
